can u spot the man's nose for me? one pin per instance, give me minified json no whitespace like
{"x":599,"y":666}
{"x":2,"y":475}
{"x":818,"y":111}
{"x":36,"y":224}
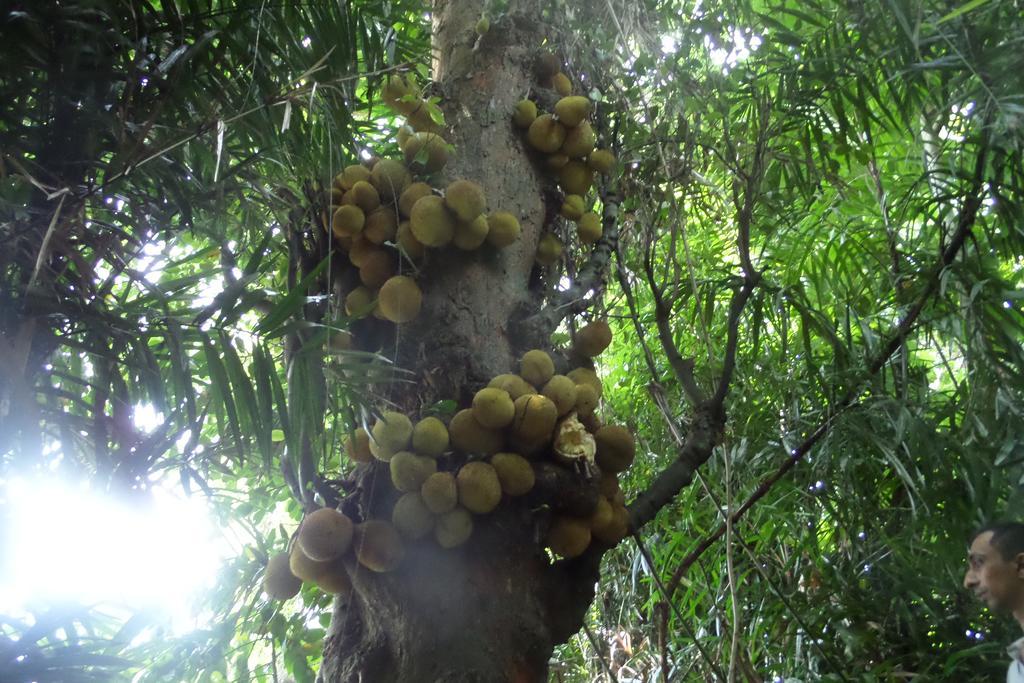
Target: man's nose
{"x":969,"y":579}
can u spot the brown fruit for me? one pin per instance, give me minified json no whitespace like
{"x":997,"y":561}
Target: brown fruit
{"x":546,"y":65}
{"x":304,"y":568}
{"x":546,"y":134}
{"x":586,"y":376}
{"x":411,"y":195}
{"x":615,"y":448}
{"x":493,"y":408}
{"x":536,"y":367}
{"x":409,"y":471}
{"x":562,"y":392}
{"x":351,"y":175}
{"x":453,"y":528}
{"x":358,"y":446}
{"x":616,"y":529}
{"x":359,"y":249}
{"x":422,"y":118}
{"x":603,"y":514}
{"x":586,"y":399}
{"x":479,"y":487}
{"x":325,"y":534}
{"x":378,"y":546}
{"x":399,"y":299}
{"x":593,"y":338}
{"x":440,"y":492}
{"x":278,"y":580}
{"x":334,"y":580}
{"x":514,"y":472}
{"x":572,"y":110}
{"x":569,"y":536}
{"x":431,"y":222}
{"x":412,"y":248}
{"x":397,"y":92}
{"x":412,"y":517}
{"x":535,"y":418}
{"x":426,"y":152}
{"x":347,"y":221}
{"x":381,"y":226}
{"x":430,"y":437}
{"x":390,"y":177}
{"x":469,"y":436}
{"x":549,"y":249}
{"x":378,"y":266}
{"x":364,"y":195}
{"x":503,"y":229}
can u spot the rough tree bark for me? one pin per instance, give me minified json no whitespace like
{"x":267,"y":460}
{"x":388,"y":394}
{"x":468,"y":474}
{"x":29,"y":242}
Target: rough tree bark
{"x":493,"y":609}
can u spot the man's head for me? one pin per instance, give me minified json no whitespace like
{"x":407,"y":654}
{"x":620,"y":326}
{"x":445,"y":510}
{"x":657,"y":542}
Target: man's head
{"x":995,"y":566}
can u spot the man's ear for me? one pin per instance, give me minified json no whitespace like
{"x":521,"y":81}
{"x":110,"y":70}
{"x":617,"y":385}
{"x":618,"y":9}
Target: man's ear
{"x":1020,"y":565}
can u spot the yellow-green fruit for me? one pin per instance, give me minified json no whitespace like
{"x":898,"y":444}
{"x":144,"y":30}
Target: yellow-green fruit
{"x":365,"y":196}
{"x":545,"y":134}
{"x":586,"y":399}
{"x":479,"y":487}
{"x":469,"y":436}
{"x":572,"y":110}
{"x":278,"y":580}
{"x":503,"y":229}
{"x":430,"y":437}
{"x":525,"y":113}
{"x":347,"y":221}
{"x":579,"y":141}
{"x":413,"y":249}
{"x":411,"y":516}
{"x":325,"y":534}
{"x":403,"y":134}
{"x":351,"y":175}
{"x":304,"y":568}
{"x":335,"y":580}
{"x":535,"y":418}
{"x":549,"y":250}
{"x":358,"y":446}
{"x":390,"y":177}
{"x":453,"y":528}
{"x":411,"y":195}
{"x":561,"y":84}
{"x":359,"y":250}
{"x":586,"y":376}
{"x":493,"y":408}
{"x":360,"y":302}
{"x":514,"y":472}
{"x":465,"y":199}
{"x":536,"y":367}
{"x":572,"y":207}
{"x":555,"y":162}
{"x":483,"y":25}
{"x":593,"y":338}
{"x":602,"y":515}
{"x":569,"y":536}
{"x":562,"y":392}
{"x":391,"y":434}
{"x":616,"y":529}
{"x":381,"y":226}
{"x":409,"y":471}
{"x":589,"y":228}
{"x":431,"y":222}
{"x":615,"y":448}
{"x":602,"y":161}
{"x":400,"y":299}
{"x":515,"y":385}
{"x":575,"y":177}
{"x":471,"y":235}
{"x":426,"y":152}
{"x":378,"y":266}
{"x":378,"y":546}
{"x":440,"y":492}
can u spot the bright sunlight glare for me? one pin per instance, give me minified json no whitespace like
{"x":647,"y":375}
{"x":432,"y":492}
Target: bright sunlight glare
{"x":70,"y":543}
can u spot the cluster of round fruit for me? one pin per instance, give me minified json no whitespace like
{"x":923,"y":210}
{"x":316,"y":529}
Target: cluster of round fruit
{"x":381,"y":211}
{"x":567,"y":139}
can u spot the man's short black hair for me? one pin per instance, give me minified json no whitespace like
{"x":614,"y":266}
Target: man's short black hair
{"x":1007,"y":538}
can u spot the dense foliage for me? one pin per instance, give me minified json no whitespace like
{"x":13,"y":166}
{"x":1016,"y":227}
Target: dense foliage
{"x":863,"y":162}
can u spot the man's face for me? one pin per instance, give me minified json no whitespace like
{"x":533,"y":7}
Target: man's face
{"x":997,"y":581}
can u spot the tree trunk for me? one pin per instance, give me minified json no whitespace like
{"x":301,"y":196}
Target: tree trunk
{"x":493,"y":609}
